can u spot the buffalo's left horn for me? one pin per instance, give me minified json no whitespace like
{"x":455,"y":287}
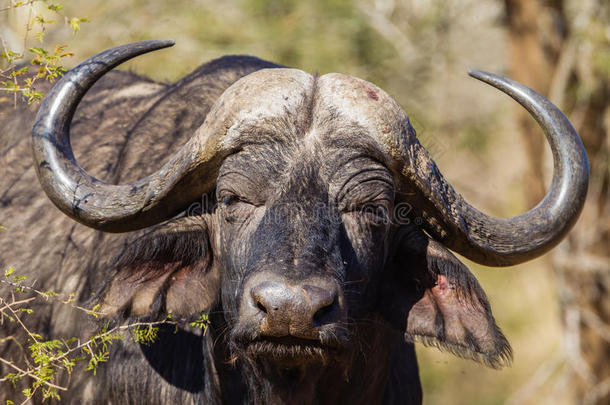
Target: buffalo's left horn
{"x":505,"y":241}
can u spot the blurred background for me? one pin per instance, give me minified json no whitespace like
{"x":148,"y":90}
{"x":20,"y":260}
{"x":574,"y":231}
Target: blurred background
{"x":555,"y":310}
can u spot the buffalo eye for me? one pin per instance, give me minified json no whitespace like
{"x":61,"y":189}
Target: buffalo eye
{"x":235,"y":208}
{"x":374,"y":213}
{"x":230,"y":200}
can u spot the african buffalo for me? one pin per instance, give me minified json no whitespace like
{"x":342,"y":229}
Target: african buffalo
{"x":319,"y":242}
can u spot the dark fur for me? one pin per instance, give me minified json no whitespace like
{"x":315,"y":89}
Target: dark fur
{"x":383,"y":269}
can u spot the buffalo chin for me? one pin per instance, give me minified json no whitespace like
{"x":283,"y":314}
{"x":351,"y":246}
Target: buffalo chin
{"x":292,"y":369}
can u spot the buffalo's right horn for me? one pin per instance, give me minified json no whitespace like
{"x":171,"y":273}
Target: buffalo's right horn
{"x":111,"y":208}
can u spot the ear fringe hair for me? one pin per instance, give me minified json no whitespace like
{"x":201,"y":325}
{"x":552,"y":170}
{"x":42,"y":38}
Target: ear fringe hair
{"x":467,"y":288}
{"x":501,"y":358}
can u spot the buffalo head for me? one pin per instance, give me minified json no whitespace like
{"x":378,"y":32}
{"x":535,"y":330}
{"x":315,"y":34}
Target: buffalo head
{"x":324,"y":227}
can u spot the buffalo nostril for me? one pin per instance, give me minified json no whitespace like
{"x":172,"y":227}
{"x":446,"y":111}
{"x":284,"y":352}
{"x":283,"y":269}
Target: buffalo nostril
{"x":269,"y":297}
{"x":326,"y":314}
{"x":261,"y":307}
{"x":324,"y":304}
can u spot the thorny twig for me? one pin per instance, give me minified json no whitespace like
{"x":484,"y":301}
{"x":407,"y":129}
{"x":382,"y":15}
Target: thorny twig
{"x":48,"y":295}
{"x":56,"y":359}
{"x":86,"y":344}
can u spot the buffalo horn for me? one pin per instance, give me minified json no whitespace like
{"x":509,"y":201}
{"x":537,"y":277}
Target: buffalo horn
{"x":505,"y":241}
{"x":107,"y":207}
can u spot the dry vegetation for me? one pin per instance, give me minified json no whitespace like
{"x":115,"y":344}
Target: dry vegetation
{"x":419,"y":51}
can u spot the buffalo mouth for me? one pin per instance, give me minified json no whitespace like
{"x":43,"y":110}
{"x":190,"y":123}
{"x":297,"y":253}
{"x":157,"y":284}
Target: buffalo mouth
{"x":289,"y":352}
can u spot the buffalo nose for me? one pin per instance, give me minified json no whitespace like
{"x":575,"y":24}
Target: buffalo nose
{"x":295,"y":310}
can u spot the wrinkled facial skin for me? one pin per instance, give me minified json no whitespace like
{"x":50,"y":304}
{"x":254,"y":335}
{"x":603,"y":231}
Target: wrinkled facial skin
{"x":314,"y":205}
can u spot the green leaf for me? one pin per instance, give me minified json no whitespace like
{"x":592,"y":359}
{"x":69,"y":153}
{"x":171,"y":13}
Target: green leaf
{"x":75,"y":23}
{"x":146,"y":335}
{"x":40,"y":19}
{"x":71,"y":340}
{"x":9,"y":84}
{"x":39,"y":36}
{"x":50,"y":392}
{"x":39,"y":51}
{"x":202,"y":322}
{"x":19,"y":72}
{"x":49,"y":293}
{"x":93,"y":311}
{"x":8,"y":272}
{"x":10,"y":55}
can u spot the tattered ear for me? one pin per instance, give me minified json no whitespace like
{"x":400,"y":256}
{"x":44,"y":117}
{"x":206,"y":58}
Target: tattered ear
{"x":167,"y":271}
{"x":451,"y":312}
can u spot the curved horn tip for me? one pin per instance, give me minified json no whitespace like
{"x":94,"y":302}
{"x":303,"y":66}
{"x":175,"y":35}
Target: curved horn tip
{"x":157,"y":43}
{"x":137,"y":48}
{"x":485,"y":76}
{"x":164,"y":42}
{"x":476,"y":73}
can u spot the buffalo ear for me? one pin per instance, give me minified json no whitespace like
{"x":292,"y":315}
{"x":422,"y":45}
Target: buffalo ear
{"x":166,"y":271}
{"x":445,"y":305}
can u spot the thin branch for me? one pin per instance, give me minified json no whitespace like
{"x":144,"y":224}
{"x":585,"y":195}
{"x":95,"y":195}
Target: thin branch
{"x":28,"y":26}
{"x":30,"y":334}
{"x":88,"y":344}
{"x":48,"y":296}
{"x":23,"y":351}
{"x":389,"y":31}
{"x":29,"y":373}
{"x":25,"y":301}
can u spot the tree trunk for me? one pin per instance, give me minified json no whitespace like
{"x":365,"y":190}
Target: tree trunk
{"x":564,"y":56}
